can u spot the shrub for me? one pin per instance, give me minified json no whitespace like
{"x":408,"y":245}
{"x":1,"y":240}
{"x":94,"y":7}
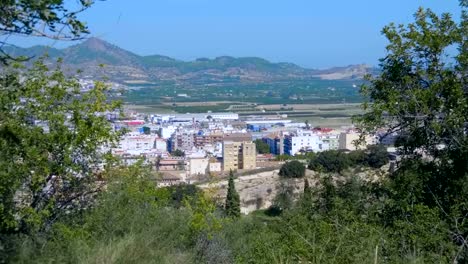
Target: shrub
{"x":358,"y":157}
{"x":292,"y":169}
{"x":262,"y":147}
{"x":377,"y":156}
{"x":330,"y":161}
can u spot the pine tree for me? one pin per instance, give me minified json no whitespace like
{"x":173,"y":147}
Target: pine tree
{"x":306,"y":203}
{"x":307,"y":190}
{"x":232,"y":206}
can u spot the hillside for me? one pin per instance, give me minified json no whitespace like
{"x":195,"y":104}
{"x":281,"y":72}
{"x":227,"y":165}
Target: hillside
{"x":124,"y":66}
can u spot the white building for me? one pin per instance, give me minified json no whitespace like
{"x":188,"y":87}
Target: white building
{"x":166,"y":132}
{"x":214,"y":166}
{"x":198,"y":166}
{"x":304,"y":141}
{"x":200,"y":117}
{"x":160,"y":144}
{"x":137,"y":141}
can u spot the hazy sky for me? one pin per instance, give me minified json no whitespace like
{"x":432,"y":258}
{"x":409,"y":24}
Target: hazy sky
{"x":311,"y":33}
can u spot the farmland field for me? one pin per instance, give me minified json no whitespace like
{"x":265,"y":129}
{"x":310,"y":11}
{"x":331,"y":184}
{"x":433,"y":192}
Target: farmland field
{"x":329,"y":115}
{"x":321,"y":102}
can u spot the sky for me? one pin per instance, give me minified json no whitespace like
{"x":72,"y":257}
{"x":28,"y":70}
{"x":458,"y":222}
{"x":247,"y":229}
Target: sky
{"x":310,"y":33}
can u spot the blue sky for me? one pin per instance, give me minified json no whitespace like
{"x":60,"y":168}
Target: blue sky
{"x":311,"y":33}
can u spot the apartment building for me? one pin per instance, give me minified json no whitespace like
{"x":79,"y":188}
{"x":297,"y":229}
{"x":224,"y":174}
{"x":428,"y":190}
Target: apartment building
{"x":276,"y":143}
{"x":347,"y":141}
{"x":304,"y":141}
{"x":239,"y":155}
{"x":183,"y":140}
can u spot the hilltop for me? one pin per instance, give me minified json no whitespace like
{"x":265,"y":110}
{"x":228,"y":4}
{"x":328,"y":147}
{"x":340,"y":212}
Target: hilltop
{"x":125,"y":66}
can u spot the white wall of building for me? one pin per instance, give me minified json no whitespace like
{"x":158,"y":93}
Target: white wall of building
{"x":198,"y":166}
{"x":166,"y":132}
{"x":307,"y":141}
{"x":136,"y":141}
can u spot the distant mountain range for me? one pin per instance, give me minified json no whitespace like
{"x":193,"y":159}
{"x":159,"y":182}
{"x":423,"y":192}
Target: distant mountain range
{"x":126,"y":67}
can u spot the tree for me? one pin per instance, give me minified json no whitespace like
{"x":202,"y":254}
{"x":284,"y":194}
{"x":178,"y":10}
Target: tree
{"x":307,"y":189}
{"x":51,"y":137}
{"x":328,"y":194}
{"x":358,"y":157}
{"x":232,"y":206}
{"x":420,"y":93}
{"x":330,"y":161}
{"x":306,"y":199}
{"x":423,"y":95}
{"x":377,"y":156}
{"x":283,"y":199}
{"x":178,"y":153}
{"x":292,"y":169}
{"x":146,"y":130}
{"x":178,"y":194}
{"x":41,"y":18}
{"x":262,"y":147}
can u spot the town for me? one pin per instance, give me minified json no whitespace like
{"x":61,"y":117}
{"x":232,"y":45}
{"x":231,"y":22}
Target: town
{"x":190,"y":148}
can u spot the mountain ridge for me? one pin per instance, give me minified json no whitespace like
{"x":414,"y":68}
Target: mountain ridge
{"x":125,"y":66}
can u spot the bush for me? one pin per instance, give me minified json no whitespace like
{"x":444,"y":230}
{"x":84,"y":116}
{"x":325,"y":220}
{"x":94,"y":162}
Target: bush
{"x":377,"y":156}
{"x":358,"y":157}
{"x":262,"y":147}
{"x":330,"y":161}
{"x":292,"y":169}
{"x":178,"y":153}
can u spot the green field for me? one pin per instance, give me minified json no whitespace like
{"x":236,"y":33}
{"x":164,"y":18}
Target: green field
{"x":321,"y":102}
{"x":312,"y":91}
{"x":324,"y":115}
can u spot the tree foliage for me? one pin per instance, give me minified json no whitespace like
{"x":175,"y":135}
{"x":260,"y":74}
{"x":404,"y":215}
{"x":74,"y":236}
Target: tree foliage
{"x":292,"y":169}
{"x":51,"y":137}
{"x":421,"y":93}
{"x":377,"y":156}
{"x":146,"y":130}
{"x":178,"y":153}
{"x":232,"y":205}
{"x":262,"y":147}
{"x":53,"y":19}
{"x":330,"y":161}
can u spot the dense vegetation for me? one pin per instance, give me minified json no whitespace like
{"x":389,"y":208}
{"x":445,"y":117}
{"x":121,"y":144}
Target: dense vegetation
{"x":375,"y":156}
{"x":312,"y":91}
{"x":292,"y":169}
{"x":349,"y":221}
{"x":232,"y":205}
{"x":262,"y":147}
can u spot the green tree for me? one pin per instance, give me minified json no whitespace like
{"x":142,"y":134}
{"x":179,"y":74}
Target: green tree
{"x":423,"y":95}
{"x":262,"y":147}
{"x":284,"y":198}
{"x":292,"y":169}
{"x":377,"y":156}
{"x":306,"y":201}
{"x":232,"y":206}
{"x":178,"y":153}
{"x":358,"y":157}
{"x":419,"y":92}
{"x":51,"y":139}
{"x":146,"y":130}
{"x":330,"y":161}
{"x":53,"y":19}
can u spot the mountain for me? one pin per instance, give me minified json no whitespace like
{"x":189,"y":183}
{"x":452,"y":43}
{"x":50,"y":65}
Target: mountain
{"x":127,"y":67}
